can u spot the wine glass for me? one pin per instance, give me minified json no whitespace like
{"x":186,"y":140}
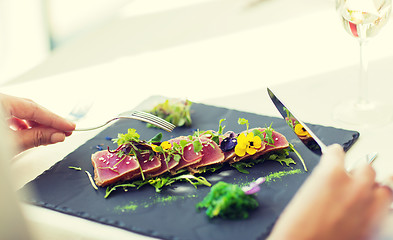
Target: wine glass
{"x":363,"y":19}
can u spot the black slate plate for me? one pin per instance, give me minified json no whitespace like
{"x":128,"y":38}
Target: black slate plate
{"x":171,"y":214}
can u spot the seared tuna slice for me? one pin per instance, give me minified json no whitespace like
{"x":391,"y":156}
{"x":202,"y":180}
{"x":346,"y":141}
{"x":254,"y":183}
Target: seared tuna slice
{"x":147,"y":165}
{"x":280,"y":142}
{"x":189,"y":157}
{"x":165,"y":166}
{"x":110,"y":168}
{"x":212,"y":154}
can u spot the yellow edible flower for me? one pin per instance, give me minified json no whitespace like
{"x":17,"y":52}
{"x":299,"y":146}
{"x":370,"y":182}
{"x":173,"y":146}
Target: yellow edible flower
{"x":247,"y":144}
{"x":166,"y":145}
{"x":163,"y":146}
{"x":300,"y":131}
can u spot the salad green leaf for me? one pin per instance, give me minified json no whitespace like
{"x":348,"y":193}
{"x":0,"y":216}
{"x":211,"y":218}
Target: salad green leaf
{"x":175,"y":111}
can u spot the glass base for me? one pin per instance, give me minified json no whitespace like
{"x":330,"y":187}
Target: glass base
{"x":364,"y":113}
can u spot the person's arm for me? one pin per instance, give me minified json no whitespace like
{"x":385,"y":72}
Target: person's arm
{"x":33,"y":124}
{"x":334,"y":204}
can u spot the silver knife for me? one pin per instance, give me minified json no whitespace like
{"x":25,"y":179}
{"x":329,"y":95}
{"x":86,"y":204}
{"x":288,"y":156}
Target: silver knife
{"x":304,"y":133}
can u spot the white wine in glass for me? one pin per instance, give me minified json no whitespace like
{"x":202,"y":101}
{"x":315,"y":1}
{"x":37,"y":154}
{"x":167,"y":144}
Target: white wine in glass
{"x":363,"y":19}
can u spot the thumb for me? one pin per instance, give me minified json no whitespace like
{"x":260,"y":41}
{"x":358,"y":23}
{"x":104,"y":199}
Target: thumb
{"x":38,"y":136}
{"x":332,"y":159}
{"x":334,"y":155}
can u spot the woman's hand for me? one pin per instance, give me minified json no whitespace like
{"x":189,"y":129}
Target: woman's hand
{"x":334,"y":204}
{"x":33,"y":124}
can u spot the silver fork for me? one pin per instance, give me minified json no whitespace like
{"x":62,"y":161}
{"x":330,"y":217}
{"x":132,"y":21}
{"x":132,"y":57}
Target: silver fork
{"x":137,"y":115}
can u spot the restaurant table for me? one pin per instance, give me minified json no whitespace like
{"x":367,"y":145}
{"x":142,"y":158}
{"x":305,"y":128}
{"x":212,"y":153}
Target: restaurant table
{"x":222,"y":53}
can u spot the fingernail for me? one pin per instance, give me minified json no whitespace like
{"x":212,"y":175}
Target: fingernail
{"x":57,"y":137}
{"x":72,"y":124}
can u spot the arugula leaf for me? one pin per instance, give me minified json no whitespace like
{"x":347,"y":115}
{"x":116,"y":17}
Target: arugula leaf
{"x":110,"y":189}
{"x":195,"y":181}
{"x":278,"y":155}
{"x":160,"y":182}
{"x":287,"y":161}
{"x":211,"y":168}
{"x":241,"y":165}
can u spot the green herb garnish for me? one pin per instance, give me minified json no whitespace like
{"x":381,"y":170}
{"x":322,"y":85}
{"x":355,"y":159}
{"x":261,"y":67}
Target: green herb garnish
{"x":299,"y":156}
{"x":109,"y":190}
{"x":130,"y":136}
{"x":159,"y":182}
{"x":280,"y":156}
{"x":269,"y":135}
{"x":157,"y":138}
{"x":243,"y":121}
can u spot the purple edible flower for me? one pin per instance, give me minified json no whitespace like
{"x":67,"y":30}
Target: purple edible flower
{"x":228,"y":144}
{"x":232,"y":134}
{"x":254,"y":186}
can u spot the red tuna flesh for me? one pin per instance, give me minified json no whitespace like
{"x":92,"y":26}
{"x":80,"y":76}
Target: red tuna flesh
{"x":147,"y":165}
{"x":280,"y":142}
{"x":189,"y":157}
{"x":109,"y":168}
{"x":165,"y":166}
{"x":212,"y":154}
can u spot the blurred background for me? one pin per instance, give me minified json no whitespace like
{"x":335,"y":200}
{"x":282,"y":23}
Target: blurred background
{"x":31,"y":29}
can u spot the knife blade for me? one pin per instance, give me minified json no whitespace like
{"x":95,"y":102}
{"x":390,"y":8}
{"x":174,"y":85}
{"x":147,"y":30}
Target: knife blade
{"x":302,"y":131}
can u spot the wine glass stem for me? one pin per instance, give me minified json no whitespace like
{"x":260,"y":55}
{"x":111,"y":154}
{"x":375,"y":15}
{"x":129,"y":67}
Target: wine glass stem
{"x":363,"y":74}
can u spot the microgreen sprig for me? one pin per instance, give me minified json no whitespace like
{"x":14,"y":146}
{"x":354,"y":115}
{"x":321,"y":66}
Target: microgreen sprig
{"x":269,"y":135}
{"x":130,"y":136}
{"x":242,"y":121}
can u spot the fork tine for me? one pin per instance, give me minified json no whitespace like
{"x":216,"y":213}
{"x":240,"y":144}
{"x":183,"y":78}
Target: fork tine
{"x":166,"y":128}
{"x":154,"y":118}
